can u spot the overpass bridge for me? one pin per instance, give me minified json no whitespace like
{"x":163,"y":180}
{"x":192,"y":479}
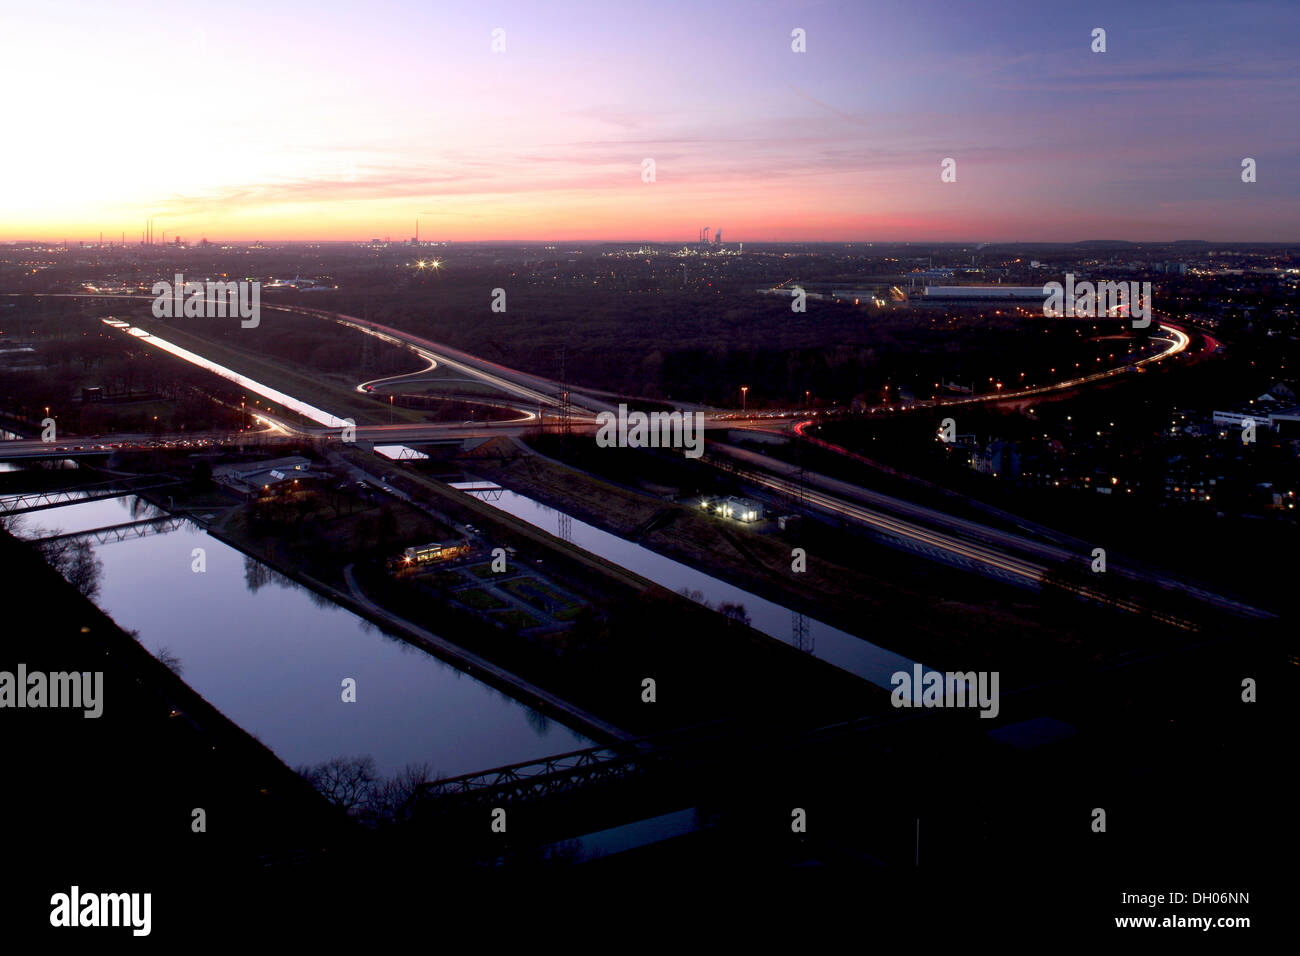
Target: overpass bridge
{"x":746,"y":767}
{"x":19,"y":450}
{"x":125,"y":531}
{"x":583,"y":791}
{"x":37,"y":501}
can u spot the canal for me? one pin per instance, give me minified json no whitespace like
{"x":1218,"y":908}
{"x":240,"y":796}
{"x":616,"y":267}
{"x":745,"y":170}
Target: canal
{"x":844,"y":650}
{"x":272,"y":655}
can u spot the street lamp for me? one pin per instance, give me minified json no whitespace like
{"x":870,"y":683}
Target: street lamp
{"x":744,"y":396}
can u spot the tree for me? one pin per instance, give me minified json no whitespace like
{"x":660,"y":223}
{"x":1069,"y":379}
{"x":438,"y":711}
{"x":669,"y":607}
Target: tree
{"x":734,"y":613}
{"x":75,"y":560}
{"x":386,"y":526}
{"x":391,"y":796}
{"x":305,"y":503}
{"x":693,"y":595}
{"x":347,"y":782}
{"x":256,"y":574}
{"x":173,"y":662}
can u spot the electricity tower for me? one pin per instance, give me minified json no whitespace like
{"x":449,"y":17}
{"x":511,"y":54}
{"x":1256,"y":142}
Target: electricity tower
{"x":565,"y":408}
{"x":799,"y":627}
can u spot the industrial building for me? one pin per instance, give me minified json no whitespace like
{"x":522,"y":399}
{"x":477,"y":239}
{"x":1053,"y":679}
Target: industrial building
{"x":1284,"y":421}
{"x":741,"y":509}
{"x":261,"y":479}
{"x":945,"y":295}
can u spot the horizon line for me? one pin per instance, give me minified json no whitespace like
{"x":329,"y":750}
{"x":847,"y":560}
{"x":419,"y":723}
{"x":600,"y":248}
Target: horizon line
{"x":117,"y":243}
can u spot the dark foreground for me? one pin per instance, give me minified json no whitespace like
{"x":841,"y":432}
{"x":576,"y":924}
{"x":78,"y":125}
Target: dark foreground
{"x":1190,"y":777}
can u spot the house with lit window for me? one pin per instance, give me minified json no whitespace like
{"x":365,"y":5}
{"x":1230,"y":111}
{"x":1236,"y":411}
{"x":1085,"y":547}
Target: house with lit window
{"x":263,"y":479}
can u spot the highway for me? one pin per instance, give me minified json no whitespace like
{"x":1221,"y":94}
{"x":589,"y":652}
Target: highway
{"x":1178,"y":341}
{"x":533,"y":388}
{"x":926,"y":541}
{"x":927,"y":530}
{"x":1011,"y":556}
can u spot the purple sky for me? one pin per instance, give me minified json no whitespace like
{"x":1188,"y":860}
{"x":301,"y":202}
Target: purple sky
{"x":242,"y":120}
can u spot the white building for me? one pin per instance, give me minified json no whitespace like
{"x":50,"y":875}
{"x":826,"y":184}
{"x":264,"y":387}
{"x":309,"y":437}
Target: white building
{"x":742,"y":509}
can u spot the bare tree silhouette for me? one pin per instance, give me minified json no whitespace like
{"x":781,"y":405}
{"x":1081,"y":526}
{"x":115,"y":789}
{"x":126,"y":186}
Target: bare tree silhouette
{"x":173,"y":662}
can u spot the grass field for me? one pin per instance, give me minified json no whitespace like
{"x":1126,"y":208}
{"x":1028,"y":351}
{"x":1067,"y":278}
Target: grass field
{"x":335,"y":394}
{"x":446,"y":579}
{"x":536,"y":593}
{"x":480,"y":600}
{"x":515,"y":618}
{"x":851,"y":583}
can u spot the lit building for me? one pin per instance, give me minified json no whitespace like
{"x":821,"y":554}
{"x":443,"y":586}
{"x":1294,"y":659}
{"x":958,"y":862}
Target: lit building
{"x":742,"y":509}
{"x":981,"y":294}
{"x":263,"y":479}
{"x":434,"y":552}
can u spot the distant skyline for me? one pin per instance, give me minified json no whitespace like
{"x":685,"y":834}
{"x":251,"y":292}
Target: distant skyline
{"x":326,"y":121}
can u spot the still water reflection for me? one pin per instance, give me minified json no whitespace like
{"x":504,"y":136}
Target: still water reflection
{"x":272,"y":656}
{"x":844,"y":650}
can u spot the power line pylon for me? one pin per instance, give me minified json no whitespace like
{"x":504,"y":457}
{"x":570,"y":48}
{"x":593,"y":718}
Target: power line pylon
{"x":565,"y":408}
{"x":799,"y":626}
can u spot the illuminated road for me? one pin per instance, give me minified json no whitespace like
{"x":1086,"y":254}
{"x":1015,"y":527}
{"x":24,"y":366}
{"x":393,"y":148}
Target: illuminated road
{"x":533,"y":388}
{"x":963,"y":553}
{"x":994,"y":551}
{"x":1178,"y":341}
{"x":538,"y":391}
{"x":967,"y":543}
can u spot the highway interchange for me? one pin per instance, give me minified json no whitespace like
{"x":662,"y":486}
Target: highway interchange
{"x":1020,"y":559}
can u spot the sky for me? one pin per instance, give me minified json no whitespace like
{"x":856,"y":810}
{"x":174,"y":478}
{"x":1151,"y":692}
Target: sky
{"x":284,"y":119}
